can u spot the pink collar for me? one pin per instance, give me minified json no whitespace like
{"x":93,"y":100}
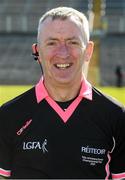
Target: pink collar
{"x":41,"y":92}
{"x":85,"y":92}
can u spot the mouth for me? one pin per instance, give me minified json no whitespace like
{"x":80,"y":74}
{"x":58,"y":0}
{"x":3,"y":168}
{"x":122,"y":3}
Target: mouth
{"x":63,"y":66}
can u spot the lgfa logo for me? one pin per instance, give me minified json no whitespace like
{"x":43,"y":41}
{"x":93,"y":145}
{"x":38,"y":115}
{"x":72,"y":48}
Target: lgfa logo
{"x":36,"y":145}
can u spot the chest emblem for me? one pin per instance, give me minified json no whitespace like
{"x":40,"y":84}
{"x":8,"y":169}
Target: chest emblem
{"x":36,"y":145}
{"x":92,"y":155}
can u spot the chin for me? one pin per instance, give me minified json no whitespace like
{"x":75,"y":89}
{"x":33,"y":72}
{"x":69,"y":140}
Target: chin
{"x":63,"y":80}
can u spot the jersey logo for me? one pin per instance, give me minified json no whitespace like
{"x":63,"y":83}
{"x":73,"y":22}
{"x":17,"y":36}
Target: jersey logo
{"x":44,"y":144}
{"x":24,"y":127}
{"x":92,"y":156}
{"x":40,"y":145}
{"x":91,"y":150}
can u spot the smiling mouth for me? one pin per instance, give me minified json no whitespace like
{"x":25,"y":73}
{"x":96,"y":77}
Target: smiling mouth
{"x":63,"y":66}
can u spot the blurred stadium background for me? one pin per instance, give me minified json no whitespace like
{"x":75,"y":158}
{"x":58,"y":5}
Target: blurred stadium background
{"x":18,"y":30}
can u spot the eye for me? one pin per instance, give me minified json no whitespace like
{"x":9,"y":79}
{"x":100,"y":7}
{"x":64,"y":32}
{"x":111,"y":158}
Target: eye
{"x":73,"y":42}
{"x":51,"y":43}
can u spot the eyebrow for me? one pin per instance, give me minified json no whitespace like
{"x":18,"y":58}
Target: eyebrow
{"x":56,"y":39}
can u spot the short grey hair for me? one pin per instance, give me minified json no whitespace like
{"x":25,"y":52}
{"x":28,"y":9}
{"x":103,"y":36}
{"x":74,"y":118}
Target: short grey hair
{"x":64,"y":13}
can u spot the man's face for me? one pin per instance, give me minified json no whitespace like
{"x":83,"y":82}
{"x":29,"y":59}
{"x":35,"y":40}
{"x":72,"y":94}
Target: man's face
{"x":61,"y":49}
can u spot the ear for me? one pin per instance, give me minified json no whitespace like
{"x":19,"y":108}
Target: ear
{"x":89,"y":50}
{"x":35,"y":51}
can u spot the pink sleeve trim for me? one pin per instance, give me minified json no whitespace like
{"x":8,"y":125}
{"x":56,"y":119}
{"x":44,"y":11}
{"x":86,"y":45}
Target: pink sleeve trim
{"x":107,"y":167}
{"x":5,"y":173}
{"x":118,"y":176}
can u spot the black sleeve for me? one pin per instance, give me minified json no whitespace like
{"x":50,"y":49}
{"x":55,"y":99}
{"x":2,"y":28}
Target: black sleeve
{"x":118,"y":153}
{"x":5,"y":143}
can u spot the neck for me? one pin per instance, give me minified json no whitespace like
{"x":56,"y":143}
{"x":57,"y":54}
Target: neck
{"x":63,"y":92}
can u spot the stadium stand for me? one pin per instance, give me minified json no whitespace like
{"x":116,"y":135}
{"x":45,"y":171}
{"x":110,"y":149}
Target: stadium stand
{"x":112,"y":53}
{"x":115,"y":15}
{"x":112,"y":44}
{"x":23,"y":16}
{"x":16,"y":64}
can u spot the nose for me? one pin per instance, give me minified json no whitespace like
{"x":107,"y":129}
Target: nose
{"x":63,"y":51}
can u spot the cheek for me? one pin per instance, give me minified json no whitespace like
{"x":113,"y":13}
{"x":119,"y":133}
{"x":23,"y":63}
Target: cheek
{"x":44,"y":57}
{"x":78,"y":54}
{"x":46,"y":62}
{"x":47,"y":56}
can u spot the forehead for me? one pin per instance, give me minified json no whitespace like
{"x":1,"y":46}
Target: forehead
{"x":67,"y":27}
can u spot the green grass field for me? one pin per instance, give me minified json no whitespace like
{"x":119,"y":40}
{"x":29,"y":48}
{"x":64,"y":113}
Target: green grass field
{"x":9,"y":92}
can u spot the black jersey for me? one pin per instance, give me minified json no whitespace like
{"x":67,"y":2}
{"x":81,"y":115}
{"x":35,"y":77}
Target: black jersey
{"x":40,"y":138}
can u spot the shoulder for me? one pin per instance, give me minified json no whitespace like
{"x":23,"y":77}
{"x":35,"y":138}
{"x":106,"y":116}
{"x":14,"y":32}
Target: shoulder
{"x":21,"y":106}
{"x":105,"y":98}
{"x":111,"y":111}
{"x":107,"y":101}
{"x":23,"y":100}
{"x":18,"y":110}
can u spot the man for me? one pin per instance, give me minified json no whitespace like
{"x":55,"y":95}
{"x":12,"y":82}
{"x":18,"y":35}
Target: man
{"x":63,"y":127}
{"x":119,"y":75}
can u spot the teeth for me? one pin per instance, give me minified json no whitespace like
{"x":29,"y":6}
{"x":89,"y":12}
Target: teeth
{"x":62,"y":65}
